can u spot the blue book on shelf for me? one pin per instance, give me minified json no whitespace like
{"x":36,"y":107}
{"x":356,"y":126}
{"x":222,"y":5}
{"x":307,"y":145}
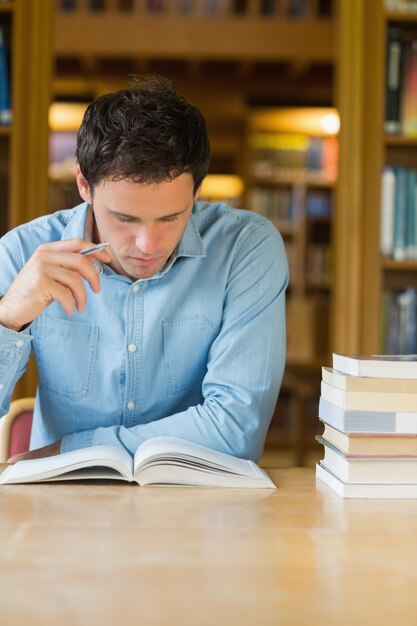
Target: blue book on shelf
{"x":5,"y":110}
{"x":411,"y":221}
{"x":411,"y":345}
{"x":400,"y":214}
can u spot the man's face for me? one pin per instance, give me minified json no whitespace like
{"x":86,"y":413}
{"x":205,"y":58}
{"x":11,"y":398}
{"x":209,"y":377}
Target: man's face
{"x":143,"y":223}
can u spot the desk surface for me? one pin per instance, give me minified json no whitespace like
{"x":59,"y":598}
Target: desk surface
{"x":113,"y":553}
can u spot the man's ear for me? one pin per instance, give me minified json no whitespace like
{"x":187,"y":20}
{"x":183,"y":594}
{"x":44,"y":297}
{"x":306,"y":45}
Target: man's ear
{"x":197,"y":193}
{"x":83,"y":186}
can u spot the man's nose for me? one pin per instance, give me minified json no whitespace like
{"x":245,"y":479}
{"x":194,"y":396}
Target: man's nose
{"x":146,"y":239}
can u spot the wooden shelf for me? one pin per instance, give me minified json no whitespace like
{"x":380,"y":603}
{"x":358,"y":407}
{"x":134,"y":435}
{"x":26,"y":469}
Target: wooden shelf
{"x":7,"y":7}
{"x":400,"y":140}
{"x":24,"y":153}
{"x":253,"y":38}
{"x":296,"y":177}
{"x":392,"y":265}
{"x":401,"y":16}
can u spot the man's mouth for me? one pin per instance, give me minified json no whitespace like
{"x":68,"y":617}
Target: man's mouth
{"x":144,"y":262}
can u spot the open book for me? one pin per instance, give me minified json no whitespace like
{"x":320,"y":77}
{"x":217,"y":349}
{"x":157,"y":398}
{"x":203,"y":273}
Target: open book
{"x":157,"y":461}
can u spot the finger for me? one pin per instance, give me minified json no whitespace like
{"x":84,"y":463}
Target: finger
{"x":74,"y":245}
{"x":72,"y":280}
{"x":75,"y":262}
{"x":61,"y":294}
{"x":66,"y":245}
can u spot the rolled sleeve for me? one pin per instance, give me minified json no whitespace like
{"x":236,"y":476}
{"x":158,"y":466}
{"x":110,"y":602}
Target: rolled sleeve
{"x":15,"y":348}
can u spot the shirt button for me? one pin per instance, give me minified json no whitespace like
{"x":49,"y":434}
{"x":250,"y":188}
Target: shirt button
{"x":1,"y":385}
{"x":20,"y":343}
{"x":135,"y":288}
{"x":130,"y":405}
{"x":132,"y":347}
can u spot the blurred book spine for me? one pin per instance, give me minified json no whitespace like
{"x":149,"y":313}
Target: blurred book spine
{"x":5,"y":108}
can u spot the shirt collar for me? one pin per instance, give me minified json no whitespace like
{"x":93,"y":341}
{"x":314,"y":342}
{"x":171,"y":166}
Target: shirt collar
{"x":191,"y":243}
{"x":80,"y":224}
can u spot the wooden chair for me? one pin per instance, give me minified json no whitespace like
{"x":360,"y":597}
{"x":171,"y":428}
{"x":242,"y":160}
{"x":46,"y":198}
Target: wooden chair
{"x":15,"y":428}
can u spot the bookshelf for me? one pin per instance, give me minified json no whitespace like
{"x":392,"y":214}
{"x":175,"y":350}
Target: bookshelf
{"x":369,"y":277}
{"x":291,"y":174}
{"x":23,"y":142}
{"x":27,"y":29}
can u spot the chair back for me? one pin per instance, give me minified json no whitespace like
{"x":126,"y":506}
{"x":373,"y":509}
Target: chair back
{"x":15,"y":428}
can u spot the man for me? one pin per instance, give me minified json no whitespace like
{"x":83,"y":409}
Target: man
{"x":178,"y":327}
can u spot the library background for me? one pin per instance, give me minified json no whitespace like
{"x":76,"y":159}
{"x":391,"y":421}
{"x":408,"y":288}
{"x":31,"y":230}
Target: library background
{"x":312,"y":114}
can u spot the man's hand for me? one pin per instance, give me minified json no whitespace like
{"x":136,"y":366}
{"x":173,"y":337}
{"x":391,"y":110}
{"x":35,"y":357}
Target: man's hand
{"x":54,"y":272}
{"x":51,"y":450}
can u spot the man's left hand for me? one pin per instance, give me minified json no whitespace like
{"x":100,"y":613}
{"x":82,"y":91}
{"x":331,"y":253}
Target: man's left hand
{"x":51,"y":450}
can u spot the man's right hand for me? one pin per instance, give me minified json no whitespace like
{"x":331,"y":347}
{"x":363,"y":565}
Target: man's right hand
{"x":54,"y":272}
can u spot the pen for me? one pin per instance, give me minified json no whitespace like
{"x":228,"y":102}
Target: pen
{"x":93,"y":249}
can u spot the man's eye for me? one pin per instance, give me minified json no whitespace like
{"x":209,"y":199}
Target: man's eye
{"x":170,"y":219}
{"x":124,"y":219}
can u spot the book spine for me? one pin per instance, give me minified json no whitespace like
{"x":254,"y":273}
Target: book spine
{"x":400,"y":213}
{"x":388,"y":182}
{"x":410,"y":332}
{"x":393,"y":325}
{"x":409,"y":91}
{"x":5,"y":110}
{"x":393,"y":72}
{"x":400,"y":328}
{"x":410,"y":235}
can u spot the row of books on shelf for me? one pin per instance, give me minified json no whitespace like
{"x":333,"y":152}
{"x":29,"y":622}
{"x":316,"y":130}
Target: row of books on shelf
{"x":317,"y":264}
{"x":291,"y":203}
{"x":5,"y":108}
{"x":401,"y":83}
{"x":399,"y":213}
{"x":276,"y":155}
{"x":213,"y":8}
{"x":368,"y":406}
{"x":403,"y":6}
{"x":399,"y":321}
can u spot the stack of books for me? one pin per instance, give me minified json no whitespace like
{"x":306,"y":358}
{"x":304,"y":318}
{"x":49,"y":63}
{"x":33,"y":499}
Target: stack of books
{"x":368,"y":405}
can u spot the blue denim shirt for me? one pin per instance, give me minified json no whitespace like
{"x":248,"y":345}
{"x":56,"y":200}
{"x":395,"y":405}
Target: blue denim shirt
{"x":197,"y":351}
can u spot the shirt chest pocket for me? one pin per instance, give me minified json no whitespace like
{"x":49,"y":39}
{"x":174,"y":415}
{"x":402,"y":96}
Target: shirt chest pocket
{"x":187,"y":341}
{"x":65,"y":353}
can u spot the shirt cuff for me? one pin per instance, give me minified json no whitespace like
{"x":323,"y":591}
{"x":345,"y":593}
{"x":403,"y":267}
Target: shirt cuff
{"x":76,"y":441}
{"x":7,"y":335}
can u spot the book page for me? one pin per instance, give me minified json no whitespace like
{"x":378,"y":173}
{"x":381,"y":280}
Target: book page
{"x":180,"y":474}
{"x":162,"y":450}
{"x":58,"y":466}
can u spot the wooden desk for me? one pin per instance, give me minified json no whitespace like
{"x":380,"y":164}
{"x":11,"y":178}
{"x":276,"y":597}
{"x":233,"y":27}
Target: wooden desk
{"x":108,"y":554}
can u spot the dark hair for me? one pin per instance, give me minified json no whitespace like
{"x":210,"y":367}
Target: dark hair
{"x":146,"y":132}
